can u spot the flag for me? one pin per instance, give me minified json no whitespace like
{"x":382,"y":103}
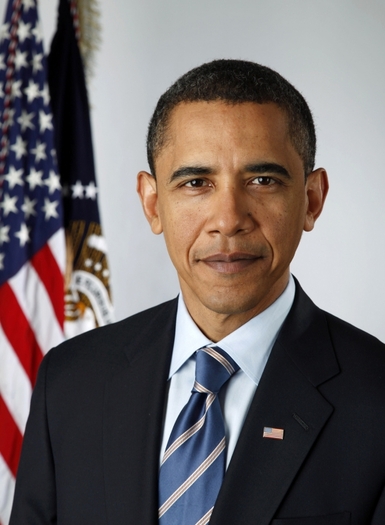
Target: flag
{"x":32,"y":247}
{"x":273,"y":433}
{"x":88,"y":299}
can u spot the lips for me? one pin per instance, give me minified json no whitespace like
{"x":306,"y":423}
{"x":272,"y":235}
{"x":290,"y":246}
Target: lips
{"x":230,"y":263}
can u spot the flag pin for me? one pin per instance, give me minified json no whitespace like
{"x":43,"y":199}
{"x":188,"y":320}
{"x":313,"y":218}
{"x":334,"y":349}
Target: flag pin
{"x":273,"y":433}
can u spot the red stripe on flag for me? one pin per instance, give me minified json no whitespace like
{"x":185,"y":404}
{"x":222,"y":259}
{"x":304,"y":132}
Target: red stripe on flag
{"x":49,"y":273}
{"x":10,"y":438}
{"x":19,"y":333}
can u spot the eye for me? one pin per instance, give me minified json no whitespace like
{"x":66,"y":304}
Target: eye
{"x":196,"y":183}
{"x":263,"y":181}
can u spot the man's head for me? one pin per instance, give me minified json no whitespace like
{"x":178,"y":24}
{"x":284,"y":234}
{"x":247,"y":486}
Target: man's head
{"x":234,"y":82}
{"x":230,"y":196}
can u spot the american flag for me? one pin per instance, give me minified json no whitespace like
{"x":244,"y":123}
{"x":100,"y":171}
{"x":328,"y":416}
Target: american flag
{"x":273,"y":433}
{"x":32,"y":247}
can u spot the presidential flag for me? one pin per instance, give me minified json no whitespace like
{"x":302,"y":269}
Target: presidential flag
{"x":32,"y":246}
{"x":88,"y":296}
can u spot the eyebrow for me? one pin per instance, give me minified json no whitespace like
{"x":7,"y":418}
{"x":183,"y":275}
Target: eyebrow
{"x":259,"y":168}
{"x":187,"y":171}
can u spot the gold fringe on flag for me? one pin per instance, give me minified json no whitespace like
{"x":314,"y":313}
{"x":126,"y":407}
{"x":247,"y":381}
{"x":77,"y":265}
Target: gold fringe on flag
{"x":89,"y":32}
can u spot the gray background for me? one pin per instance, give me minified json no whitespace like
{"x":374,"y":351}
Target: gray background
{"x":331,"y":50}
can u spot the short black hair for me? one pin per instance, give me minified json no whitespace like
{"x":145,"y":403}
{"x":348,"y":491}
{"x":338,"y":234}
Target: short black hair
{"x":235,"y":82}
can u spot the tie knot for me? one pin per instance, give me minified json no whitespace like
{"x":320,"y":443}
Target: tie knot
{"x":213,"y":368}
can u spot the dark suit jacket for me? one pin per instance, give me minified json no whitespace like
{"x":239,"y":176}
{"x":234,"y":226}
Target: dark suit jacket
{"x":91,"y":448}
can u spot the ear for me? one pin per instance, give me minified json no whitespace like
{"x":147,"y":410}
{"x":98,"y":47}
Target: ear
{"x":317,"y":186}
{"x":147,"y":190}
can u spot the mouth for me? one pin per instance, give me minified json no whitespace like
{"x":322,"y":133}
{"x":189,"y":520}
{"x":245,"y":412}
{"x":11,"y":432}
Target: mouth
{"x":231,"y":263}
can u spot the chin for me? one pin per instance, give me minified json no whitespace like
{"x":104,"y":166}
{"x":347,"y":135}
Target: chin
{"x":228,"y":303}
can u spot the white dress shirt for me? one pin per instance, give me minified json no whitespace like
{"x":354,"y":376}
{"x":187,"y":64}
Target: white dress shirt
{"x":250,"y":346}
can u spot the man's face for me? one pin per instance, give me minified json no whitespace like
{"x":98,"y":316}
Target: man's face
{"x":231,"y":198}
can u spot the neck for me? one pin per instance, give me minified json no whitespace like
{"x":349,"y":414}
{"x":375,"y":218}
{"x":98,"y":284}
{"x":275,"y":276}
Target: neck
{"x":217,"y":323}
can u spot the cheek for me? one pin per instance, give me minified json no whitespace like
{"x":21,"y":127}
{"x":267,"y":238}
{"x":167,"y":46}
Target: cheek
{"x":282,"y":226}
{"x":181,"y":228}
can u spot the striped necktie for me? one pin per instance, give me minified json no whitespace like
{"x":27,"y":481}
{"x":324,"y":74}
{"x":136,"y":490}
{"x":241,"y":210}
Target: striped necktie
{"x":193,"y":465}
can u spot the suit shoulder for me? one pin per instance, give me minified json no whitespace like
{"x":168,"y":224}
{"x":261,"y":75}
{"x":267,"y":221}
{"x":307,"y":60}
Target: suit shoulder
{"x":323,"y":345}
{"x":106,"y":343}
{"x":361,"y":356}
{"x":343,"y":331}
{"x":310,"y":319}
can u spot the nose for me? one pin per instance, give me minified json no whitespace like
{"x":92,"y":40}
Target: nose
{"x":230,"y":212}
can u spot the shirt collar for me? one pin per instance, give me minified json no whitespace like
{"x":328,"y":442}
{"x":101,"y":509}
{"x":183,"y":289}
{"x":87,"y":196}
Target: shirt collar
{"x":250,"y":345}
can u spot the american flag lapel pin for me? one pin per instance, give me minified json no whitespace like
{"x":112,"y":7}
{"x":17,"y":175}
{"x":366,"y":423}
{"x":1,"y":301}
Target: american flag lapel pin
{"x":273,"y":433}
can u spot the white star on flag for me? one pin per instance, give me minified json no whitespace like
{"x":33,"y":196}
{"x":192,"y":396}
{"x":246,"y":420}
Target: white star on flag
{"x":91,"y":191}
{"x":2,"y":63}
{"x":20,"y":59}
{"x":28,"y":207}
{"x":2,"y":261}
{"x":39,"y":151}
{"x":36,"y":62}
{"x":25,"y":120}
{"x":4,"y":234}
{"x":20,"y":147}
{"x":4,"y":32}
{"x":11,"y":113}
{"x":53,"y":182}
{"x":38,"y":33}
{"x":44,"y":93}
{"x":23,"y":234}
{"x":23,"y":31}
{"x":34,"y":178}
{"x":9,"y":204}
{"x":14,"y":177}
{"x":32,"y":91}
{"x":49,"y":209}
{"x":15,"y":90}
{"x":77,"y":190}
{"x":45,"y":121}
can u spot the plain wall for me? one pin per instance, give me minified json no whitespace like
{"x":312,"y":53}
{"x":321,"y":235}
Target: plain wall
{"x":333,"y":51}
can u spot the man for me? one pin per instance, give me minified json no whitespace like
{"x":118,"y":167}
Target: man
{"x":232,"y":186}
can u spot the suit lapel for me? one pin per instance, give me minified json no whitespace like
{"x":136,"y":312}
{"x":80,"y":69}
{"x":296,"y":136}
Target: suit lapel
{"x":262,"y":470}
{"x":132,"y":423}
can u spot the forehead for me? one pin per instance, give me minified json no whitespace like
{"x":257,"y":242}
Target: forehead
{"x":213,"y":112}
{"x":201,"y":128}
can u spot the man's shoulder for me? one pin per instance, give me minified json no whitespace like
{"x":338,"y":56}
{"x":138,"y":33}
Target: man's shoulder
{"x":357,"y":352}
{"x":333,"y":354}
{"x":108,"y":343}
{"x":308,"y":326}
{"x":310,"y":316}
{"x":354,"y":344}
{"x":131,"y":325}
{"x":342,"y":329}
